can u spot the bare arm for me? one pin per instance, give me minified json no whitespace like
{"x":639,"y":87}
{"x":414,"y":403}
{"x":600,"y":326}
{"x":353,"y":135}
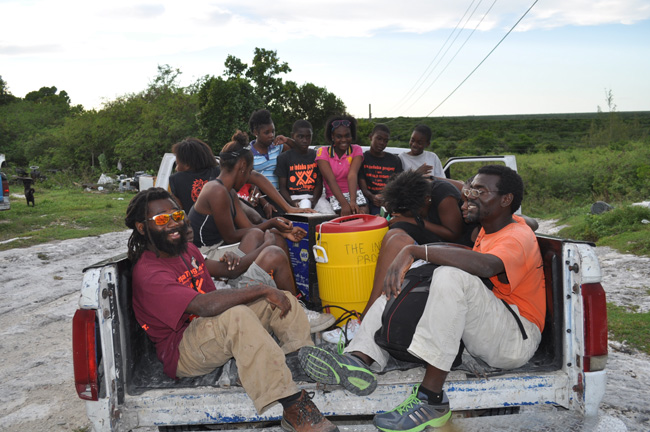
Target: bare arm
{"x":217,"y":201}
{"x":328,"y":176}
{"x":287,"y":142}
{"x":425,"y":170}
{"x":532,"y":223}
{"x":459,"y":184}
{"x":476,"y":263}
{"x":365,"y":191}
{"x":219,"y":301}
{"x":451,"y":221}
{"x":232,"y":265}
{"x":318,"y":190}
{"x":267,"y":187}
{"x":284,"y":191}
{"x":353,"y":184}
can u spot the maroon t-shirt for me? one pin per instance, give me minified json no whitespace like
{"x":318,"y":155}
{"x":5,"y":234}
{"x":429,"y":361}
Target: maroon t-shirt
{"x":162,"y":289}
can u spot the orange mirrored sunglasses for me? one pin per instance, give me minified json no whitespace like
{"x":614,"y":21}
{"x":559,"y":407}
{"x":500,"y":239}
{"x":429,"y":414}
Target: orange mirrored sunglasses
{"x":163,"y":218}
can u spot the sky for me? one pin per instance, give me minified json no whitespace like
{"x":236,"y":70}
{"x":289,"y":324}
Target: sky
{"x":412,"y":58}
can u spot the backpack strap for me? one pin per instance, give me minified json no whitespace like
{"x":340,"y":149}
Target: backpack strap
{"x":519,"y":323}
{"x":489,"y":285}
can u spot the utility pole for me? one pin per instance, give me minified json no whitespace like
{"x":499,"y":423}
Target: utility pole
{"x":369,"y":111}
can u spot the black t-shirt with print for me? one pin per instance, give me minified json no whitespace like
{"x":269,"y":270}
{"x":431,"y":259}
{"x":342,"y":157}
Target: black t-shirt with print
{"x":377,"y":170}
{"x":186,"y":185}
{"x":300,"y":170}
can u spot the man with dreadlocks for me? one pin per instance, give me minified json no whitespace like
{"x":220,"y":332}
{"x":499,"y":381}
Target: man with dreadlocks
{"x":197,"y":328}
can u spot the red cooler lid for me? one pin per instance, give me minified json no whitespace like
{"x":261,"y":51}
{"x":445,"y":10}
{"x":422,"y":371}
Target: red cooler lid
{"x":352,"y":223}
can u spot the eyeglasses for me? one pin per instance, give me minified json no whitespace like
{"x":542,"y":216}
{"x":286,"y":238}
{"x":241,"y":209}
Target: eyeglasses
{"x":337,"y":123}
{"x":474,"y":193}
{"x":163,"y":218}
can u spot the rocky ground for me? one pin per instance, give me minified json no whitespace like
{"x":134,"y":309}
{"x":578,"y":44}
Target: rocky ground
{"x":40,"y":285}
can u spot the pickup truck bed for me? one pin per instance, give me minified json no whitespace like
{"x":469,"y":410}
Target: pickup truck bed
{"x":144,"y":371}
{"x":134,"y":392}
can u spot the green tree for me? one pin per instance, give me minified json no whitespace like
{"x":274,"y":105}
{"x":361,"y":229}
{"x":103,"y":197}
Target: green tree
{"x":165,"y":114}
{"x":287,"y":101}
{"x":166,"y":81}
{"x":25,"y":124}
{"x":225,"y":106}
{"x":485,"y":142}
{"x":135,"y":128}
{"x":5,"y":96}
{"x":315,"y":104}
{"x":264,"y":73}
{"x":521,"y":143}
{"x":48,"y":95}
{"x":235,"y":68}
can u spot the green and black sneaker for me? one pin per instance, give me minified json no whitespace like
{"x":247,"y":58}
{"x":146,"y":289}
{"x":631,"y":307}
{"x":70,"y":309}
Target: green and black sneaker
{"x":330,"y":368}
{"x":414,"y":414}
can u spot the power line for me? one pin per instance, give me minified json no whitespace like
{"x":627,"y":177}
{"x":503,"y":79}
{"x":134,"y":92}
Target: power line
{"x":416,"y":86}
{"x":485,"y":58}
{"x":454,"y":56}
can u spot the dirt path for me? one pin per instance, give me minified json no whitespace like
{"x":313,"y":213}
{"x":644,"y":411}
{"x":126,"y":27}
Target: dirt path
{"x":39,"y":289}
{"x":626,"y":280}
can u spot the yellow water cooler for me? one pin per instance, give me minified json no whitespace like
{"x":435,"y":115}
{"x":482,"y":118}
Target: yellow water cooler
{"x":346,"y":251}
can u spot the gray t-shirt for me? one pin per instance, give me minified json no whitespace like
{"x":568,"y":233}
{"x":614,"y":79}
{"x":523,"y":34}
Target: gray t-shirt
{"x":410,"y":162}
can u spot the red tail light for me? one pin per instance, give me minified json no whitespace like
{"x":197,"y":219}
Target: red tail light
{"x":595,"y":325}
{"x":84,"y":354}
{"x":5,"y":187}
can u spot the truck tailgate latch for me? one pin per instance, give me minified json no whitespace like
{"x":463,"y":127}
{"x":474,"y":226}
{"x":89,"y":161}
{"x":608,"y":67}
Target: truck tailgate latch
{"x":573,"y":267}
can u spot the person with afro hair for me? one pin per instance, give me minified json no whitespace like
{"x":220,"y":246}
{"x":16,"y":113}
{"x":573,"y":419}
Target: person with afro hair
{"x":421,"y":211}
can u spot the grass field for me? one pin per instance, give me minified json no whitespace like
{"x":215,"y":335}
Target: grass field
{"x":629,"y":326}
{"x":60,"y":214}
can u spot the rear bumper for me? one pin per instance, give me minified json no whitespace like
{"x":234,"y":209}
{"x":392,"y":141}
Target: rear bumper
{"x":203,"y":405}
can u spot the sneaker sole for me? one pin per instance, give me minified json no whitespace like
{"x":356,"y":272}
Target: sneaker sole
{"x":322,"y":367}
{"x":436,"y":423}
{"x":285,"y":425}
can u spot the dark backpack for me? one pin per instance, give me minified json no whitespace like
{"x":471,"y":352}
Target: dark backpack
{"x":402,"y":314}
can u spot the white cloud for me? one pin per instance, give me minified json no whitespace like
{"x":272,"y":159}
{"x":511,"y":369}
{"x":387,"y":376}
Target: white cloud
{"x":125,"y":29}
{"x":75,"y":44}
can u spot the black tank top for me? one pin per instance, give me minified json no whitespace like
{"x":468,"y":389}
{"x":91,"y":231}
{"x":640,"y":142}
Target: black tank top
{"x":204,"y":226}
